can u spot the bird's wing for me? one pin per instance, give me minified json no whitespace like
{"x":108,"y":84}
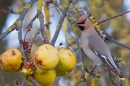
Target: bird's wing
{"x":106,"y":61}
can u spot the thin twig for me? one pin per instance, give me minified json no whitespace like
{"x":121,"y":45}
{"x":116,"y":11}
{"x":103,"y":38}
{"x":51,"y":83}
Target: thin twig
{"x":113,"y":17}
{"x":56,"y":83}
{"x":35,"y":83}
{"x":29,"y":26}
{"x":116,"y":42}
{"x":64,"y":12}
{"x":28,"y":50}
{"x":110,"y":76}
{"x":21,"y":44}
{"x":126,"y":68}
{"x":4,"y":34}
{"x":23,"y":82}
{"x":42,"y":27}
{"x":17,"y":82}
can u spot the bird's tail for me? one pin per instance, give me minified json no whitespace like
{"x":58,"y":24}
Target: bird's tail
{"x":115,"y":71}
{"x":120,"y":75}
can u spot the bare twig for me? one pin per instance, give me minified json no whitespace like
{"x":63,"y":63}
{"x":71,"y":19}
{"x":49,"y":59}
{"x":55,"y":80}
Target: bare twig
{"x":42,"y":27}
{"x":118,"y":83}
{"x":126,"y":68}
{"x":113,"y":17}
{"x":21,"y":44}
{"x":23,"y":82}
{"x":35,"y":83}
{"x":56,"y":83}
{"x":64,"y":12}
{"x":116,"y":42}
{"x":17,"y":82}
{"x":110,"y":76}
{"x":28,"y":50}
{"x":29,"y":26}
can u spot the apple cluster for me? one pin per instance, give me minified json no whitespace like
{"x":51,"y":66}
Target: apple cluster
{"x":47,"y":63}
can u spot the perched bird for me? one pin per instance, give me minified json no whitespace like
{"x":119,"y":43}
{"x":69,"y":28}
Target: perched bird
{"x":94,"y":47}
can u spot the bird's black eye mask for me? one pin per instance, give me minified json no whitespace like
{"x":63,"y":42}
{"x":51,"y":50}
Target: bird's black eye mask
{"x":80,"y":25}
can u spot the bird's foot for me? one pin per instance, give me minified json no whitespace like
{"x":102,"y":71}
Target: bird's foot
{"x":94,"y":74}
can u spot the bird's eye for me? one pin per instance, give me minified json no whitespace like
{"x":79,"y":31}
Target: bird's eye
{"x":80,"y":27}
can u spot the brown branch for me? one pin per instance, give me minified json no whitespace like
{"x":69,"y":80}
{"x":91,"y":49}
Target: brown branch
{"x":21,"y":17}
{"x":113,"y":17}
{"x":64,"y":12}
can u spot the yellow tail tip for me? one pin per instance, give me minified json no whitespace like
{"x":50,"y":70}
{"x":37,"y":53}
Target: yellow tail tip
{"x":122,"y":79}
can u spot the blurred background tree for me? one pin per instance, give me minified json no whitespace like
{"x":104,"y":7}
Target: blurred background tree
{"x":118,"y":28}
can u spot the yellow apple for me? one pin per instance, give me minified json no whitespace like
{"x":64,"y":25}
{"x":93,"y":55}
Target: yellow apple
{"x":67,"y":59}
{"x":46,"y":57}
{"x":11,"y":60}
{"x":61,"y":73}
{"x":45,"y":78}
